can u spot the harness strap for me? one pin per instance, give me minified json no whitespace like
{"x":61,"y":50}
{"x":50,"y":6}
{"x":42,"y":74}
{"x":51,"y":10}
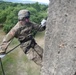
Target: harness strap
{"x":26,"y":39}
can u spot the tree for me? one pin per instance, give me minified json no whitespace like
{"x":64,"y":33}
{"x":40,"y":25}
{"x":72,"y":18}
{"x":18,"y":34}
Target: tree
{"x":2,"y":16}
{"x":37,"y":6}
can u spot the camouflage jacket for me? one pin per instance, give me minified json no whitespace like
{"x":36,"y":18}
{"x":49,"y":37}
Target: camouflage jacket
{"x":20,"y":31}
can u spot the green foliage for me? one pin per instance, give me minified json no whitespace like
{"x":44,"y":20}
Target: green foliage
{"x":9,"y":11}
{"x":2,"y":16}
{"x":37,"y":6}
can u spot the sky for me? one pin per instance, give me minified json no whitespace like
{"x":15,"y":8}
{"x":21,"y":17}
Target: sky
{"x":26,"y":1}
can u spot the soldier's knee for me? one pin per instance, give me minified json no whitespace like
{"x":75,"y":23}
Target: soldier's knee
{"x":38,"y":50}
{"x":37,"y":61}
{"x":35,"y":57}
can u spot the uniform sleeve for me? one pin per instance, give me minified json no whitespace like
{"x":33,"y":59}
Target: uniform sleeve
{"x":38,"y":27}
{"x":8,"y":38}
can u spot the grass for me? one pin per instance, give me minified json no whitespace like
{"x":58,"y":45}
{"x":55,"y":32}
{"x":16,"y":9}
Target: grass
{"x":16,"y":62}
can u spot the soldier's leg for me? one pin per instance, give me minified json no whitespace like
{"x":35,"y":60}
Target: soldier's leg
{"x":34,"y":52}
{"x":38,"y":55}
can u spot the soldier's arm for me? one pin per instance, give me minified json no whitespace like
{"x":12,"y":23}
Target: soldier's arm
{"x":38,"y":27}
{"x":7,"y":39}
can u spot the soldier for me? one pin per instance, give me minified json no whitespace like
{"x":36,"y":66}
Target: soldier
{"x":22,"y":31}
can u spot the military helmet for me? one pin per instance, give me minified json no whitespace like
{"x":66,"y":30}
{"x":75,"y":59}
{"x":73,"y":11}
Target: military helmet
{"x":23,"y":14}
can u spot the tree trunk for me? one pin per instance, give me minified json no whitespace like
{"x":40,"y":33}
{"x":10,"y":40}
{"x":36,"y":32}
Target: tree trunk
{"x":60,"y":39}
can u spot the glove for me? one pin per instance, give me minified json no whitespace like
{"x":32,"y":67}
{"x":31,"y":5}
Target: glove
{"x":43,"y":22}
{"x":2,"y":53}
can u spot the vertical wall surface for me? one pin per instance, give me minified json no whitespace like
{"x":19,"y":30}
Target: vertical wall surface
{"x":60,"y":39}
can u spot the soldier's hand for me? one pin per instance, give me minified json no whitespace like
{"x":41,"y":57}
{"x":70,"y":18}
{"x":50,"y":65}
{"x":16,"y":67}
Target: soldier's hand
{"x":2,"y":53}
{"x":43,"y":22}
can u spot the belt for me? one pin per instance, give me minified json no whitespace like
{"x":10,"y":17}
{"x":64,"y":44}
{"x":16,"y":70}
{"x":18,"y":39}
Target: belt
{"x":26,"y":39}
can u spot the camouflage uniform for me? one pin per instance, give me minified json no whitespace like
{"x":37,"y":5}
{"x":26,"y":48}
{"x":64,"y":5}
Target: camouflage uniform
{"x":23,"y":33}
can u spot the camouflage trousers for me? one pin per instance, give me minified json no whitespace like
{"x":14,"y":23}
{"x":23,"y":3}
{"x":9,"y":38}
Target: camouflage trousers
{"x":33,"y":51}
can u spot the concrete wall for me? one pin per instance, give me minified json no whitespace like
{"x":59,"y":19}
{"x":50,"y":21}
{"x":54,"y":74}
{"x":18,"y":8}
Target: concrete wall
{"x":60,"y":39}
